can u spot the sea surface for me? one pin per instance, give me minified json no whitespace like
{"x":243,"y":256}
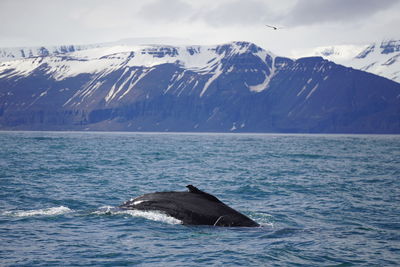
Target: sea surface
{"x":322,"y":200}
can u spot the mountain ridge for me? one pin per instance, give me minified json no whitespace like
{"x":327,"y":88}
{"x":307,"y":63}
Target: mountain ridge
{"x":233,"y":87}
{"x":381,"y":58}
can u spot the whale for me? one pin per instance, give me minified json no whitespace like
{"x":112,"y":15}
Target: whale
{"x":192,"y":207}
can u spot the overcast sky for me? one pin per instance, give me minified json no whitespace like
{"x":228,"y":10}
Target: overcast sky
{"x":305,"y":23}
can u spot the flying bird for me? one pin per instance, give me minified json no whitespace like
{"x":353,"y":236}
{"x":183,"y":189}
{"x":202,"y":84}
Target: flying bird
{"x":273,"y":27}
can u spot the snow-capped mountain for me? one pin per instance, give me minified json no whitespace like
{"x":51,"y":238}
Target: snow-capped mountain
{"x":379,"y":58}
{"x":231,"y":87}
{"x":135,"y":63}
{"x":12,"y":53}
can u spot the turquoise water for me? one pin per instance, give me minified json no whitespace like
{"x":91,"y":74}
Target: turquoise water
{"x":322,"y":200}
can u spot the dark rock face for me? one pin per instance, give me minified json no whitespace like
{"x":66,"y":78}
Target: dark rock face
{"x":390,"y":46}
{"x":242,"y":89}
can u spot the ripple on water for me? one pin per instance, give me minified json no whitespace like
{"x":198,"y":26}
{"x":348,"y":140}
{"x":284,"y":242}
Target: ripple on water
{"x":321,"y":199}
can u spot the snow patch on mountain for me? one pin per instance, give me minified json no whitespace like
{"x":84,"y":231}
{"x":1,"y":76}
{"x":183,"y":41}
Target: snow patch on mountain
{"x":380,"y":58}
{"x":139,"y":60}
{"x":215,"y":75}
{"x":14,"y":53}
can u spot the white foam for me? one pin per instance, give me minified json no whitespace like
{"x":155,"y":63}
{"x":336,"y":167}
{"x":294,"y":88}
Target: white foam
{"x":151,"y":215}
{"x":39,"y":212}
{"x":154,"y":215}
{"x":266,"y":224}
{"x":104,"y":210}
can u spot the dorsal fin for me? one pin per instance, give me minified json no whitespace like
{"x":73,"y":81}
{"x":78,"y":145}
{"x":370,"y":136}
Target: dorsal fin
{"x":195,"y":190}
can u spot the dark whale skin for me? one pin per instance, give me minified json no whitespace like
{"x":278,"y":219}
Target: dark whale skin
{"x":192,"y":208}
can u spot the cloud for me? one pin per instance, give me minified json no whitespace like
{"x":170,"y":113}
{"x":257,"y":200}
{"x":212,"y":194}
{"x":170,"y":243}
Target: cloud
{"x":236,"y":13}
{"x":222,"y":13}
{"x":46,"y":22}
{"x":165,"y":11}
{"x":323,"y":11}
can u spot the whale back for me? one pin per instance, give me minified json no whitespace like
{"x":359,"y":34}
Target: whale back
{"x":192,"y":208}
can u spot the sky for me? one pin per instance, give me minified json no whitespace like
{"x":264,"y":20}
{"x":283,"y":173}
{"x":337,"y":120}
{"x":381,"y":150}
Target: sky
{"x":303,"y":24}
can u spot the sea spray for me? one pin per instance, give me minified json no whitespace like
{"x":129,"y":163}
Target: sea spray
{"x":38,"y":212}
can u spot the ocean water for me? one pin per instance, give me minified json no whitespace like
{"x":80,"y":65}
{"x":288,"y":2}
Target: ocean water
{"x":322,"y":200}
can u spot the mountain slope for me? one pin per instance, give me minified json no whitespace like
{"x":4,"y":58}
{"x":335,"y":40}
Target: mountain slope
{"x":14,"y":53}
{"x":232,"y":87}
{"x":379,"y":58}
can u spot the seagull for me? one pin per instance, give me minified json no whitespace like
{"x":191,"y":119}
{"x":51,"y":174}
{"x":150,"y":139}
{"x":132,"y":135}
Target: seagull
{"x":273,"y":27}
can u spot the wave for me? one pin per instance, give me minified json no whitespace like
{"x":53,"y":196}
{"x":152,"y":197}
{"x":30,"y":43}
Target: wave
{"x":150,"y":215}
{"x":39,"y":212}
{"x":263,"y":219}
{"x":266,"y":224}
{"x":154,"y":215}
